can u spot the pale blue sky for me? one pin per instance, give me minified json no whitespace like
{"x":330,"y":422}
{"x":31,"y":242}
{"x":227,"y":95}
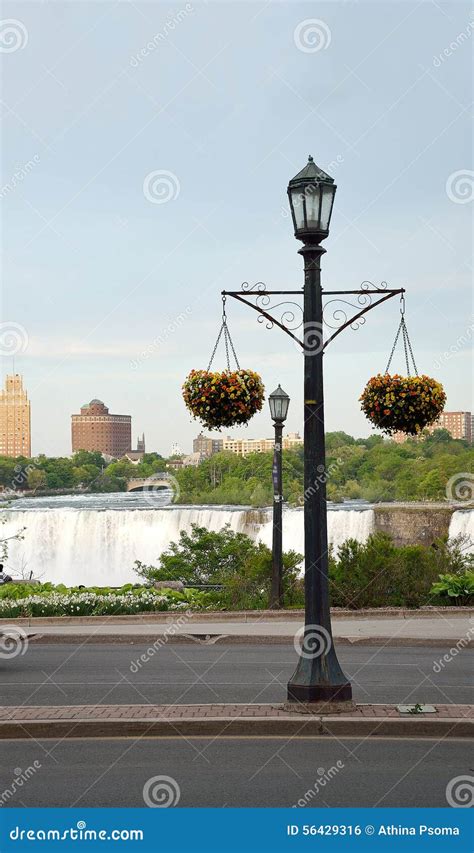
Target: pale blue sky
{"x":230,"y":104}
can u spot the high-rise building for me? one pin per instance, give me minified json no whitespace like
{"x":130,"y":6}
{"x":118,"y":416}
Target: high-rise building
{"x":207,"y":446}
{"x":458,"y":424}
{"x":96,"y":429}
{"x":15,"y":418}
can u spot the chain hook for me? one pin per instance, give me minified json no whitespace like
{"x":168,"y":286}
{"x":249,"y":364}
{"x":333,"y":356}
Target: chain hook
{"x":402,"y":304}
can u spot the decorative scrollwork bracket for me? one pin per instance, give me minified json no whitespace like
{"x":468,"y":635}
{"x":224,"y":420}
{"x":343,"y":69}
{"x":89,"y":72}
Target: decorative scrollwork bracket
{"x":336,"y":315}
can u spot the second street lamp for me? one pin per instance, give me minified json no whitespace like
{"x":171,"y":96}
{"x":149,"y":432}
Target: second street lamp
{"x":279,"y":402}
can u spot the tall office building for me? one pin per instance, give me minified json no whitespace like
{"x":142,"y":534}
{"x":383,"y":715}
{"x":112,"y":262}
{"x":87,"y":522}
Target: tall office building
{"x":15,"y":418}
{"x":96,"y":429}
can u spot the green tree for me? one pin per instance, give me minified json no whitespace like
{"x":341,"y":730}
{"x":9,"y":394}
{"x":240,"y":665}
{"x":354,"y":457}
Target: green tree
{"x":36,"y":479}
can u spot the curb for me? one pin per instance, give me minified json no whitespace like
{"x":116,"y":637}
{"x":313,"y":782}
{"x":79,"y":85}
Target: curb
{"x":232,"y":639}
{"x":240,"y":615}
{"x":231,"y":727}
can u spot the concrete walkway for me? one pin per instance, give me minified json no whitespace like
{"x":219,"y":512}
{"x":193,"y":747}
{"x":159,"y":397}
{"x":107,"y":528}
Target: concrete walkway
{"x":433,"y":628}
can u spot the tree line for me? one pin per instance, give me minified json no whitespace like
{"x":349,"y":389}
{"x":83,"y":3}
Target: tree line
{"x":372,"y":469}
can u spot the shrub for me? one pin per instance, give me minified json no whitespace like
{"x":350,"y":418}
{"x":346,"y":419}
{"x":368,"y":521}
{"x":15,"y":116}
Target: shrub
{"x":378,"y":574}
{"x":228,"y":559}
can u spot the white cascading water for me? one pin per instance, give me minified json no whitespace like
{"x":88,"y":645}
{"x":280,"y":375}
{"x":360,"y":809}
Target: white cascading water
{"x":66,"y":541}
{"x":99,"y":548}
{"x":462,"y":524}
{"x":342,"y":525}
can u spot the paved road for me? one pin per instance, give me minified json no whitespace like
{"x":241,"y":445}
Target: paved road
{"x":235,"y":771}
{"x":63,"y":674}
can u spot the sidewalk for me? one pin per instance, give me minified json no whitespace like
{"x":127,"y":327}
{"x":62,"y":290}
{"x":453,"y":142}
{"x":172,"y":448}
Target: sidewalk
{"x":227,"y":720}
{"x":418,"y":627}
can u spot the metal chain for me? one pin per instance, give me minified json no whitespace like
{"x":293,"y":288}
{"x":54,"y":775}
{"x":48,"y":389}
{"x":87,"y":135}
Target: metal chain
{"x":232,"y":347}
{"x":404,"y":335}
{"x":227,"y":340}
{"x":393,"y":348}
{"x":406,"y":342}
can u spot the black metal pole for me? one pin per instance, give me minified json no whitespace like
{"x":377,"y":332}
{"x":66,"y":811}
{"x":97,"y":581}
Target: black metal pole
{"x":318,"y":675}
{"x":276,"y":592}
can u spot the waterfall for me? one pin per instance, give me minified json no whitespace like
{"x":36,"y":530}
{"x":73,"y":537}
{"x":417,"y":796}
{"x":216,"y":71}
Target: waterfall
{"x":99,"y":548}
{"x":342,"y":525}
{"x":462,"y":524}
{"x":67,"y":542}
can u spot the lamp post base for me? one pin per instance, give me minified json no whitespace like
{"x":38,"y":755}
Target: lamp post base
{"x":319,"y":692}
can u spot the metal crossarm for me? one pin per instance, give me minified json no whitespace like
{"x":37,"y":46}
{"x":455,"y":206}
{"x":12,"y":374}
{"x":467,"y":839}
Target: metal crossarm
{"x":288,"y":318}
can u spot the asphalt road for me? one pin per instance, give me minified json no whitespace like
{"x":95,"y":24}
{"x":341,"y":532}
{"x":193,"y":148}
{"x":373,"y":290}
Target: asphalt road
{"x":235,"y":772}
{"x":66,"y":674}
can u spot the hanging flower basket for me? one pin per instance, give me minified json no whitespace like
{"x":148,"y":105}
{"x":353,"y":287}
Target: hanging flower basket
{"x":223,"y":399}
{"x":397,"y":403}
{"x":402,"y":403}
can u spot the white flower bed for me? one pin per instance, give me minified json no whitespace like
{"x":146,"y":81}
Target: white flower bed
{"x":94,"y":604}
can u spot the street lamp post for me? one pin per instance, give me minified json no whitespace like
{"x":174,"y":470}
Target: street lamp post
{"x":279,"y":402}
{"x":318,"y":675}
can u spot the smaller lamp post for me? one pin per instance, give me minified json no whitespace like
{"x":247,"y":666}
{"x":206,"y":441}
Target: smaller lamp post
{"x":279,"y":402}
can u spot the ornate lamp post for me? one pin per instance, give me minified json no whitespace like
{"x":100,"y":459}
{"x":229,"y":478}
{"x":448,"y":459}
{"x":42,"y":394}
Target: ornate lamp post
{"x":279,"y":403}
{"x":318,"y":676}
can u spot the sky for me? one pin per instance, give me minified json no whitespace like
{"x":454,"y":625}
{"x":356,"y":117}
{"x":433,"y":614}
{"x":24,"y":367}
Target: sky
{"x":146,"y":151}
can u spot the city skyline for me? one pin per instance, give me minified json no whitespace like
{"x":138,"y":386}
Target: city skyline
{"x":105,"y":280}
